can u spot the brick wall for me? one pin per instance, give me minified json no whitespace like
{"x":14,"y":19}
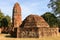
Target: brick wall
{"x":48,"y":32}
{"x":27,"y":33}
{"x":37,"y":32}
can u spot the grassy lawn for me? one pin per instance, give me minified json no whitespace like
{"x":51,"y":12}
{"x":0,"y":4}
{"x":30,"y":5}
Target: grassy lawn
{"x":3,"y":37}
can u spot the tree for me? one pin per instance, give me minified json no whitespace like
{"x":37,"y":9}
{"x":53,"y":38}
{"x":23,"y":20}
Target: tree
{"x":4,"y":22}
{"x":51,"y":19}
{"x":1,"y":17}
{"x":8,"y":18}
{"x":55,"y":5}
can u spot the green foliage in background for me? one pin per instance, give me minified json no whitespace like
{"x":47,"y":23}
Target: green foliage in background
{"x":51,"y":19}
{"x":55,"y":5}
{"x":5,"y":21}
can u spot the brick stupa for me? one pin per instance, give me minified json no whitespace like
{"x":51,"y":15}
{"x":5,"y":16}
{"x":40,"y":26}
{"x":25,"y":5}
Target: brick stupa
{"x":34,"y":21}
{"x":31,"y":26}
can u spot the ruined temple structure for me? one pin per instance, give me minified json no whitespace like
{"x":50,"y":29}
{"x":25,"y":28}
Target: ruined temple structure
{"x":30,"y":26}
{"x":33,"y":26}
{"x":16,"y":18}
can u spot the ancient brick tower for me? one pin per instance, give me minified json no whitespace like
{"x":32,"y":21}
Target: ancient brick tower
{"x":16,"y":17}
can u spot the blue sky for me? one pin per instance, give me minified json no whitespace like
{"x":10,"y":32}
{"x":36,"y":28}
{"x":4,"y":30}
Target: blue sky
{"x":37,"y":7}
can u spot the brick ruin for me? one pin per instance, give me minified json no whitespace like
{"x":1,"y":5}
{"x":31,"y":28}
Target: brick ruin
{"x":33,"y":26}
{"x":16,"y":19}
{"x":29,"y":27}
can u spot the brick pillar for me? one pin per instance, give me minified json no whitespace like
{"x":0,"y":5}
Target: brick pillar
{"x":0,"y":30}
{"x":18,"y":32}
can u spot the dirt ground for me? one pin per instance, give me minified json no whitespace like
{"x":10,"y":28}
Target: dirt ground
{"x":7,"y":37}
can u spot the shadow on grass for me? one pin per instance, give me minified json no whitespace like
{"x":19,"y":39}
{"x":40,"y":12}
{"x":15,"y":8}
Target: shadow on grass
{"x":9,"y":36}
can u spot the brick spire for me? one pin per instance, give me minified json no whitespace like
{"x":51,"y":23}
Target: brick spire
{"x":16,"y":17}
